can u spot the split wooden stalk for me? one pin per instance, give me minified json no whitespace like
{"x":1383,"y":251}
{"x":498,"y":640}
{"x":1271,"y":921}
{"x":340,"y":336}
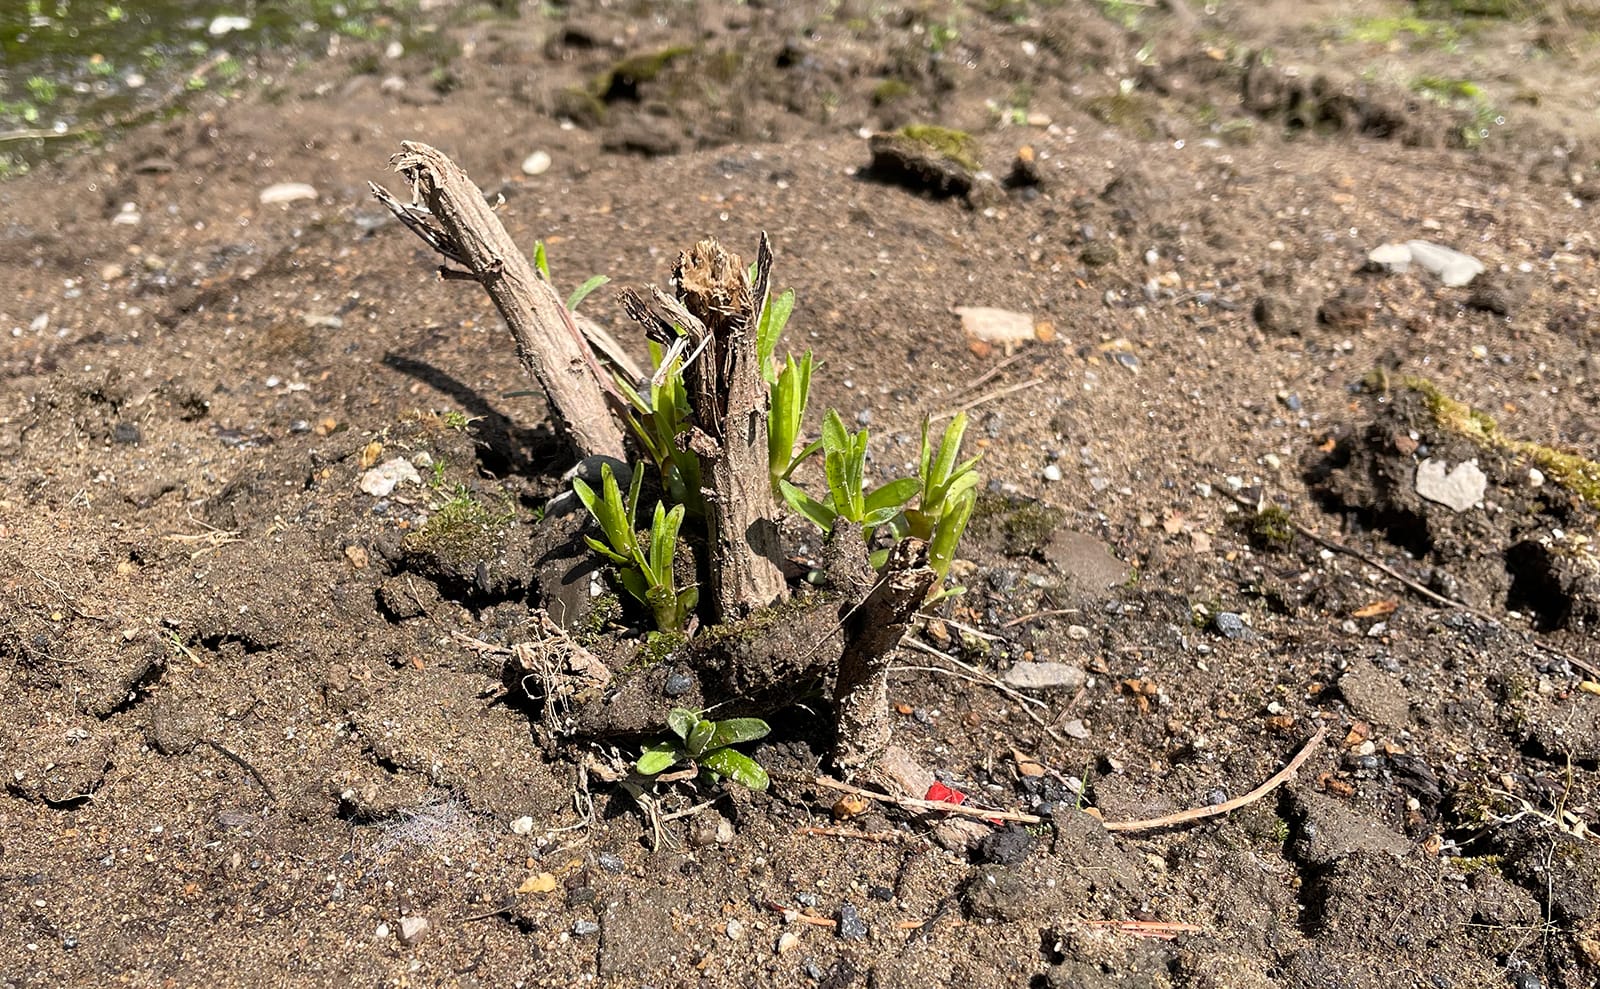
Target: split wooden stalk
{"x":448,"y":212}
{"x":730,"y":398}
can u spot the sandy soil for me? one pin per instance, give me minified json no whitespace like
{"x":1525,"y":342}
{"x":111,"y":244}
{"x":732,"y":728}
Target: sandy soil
{"x":247,"y":741}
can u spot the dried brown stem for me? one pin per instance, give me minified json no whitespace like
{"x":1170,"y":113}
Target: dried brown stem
{"x":449,"y":214}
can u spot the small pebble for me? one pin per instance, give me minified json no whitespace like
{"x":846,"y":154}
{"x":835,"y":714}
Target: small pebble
{"x":788,"y":941}
{"x":536,"y":164}
{"x":584,"y":928}
{"x":851,"y":926}
{"x":1052,"y":472}
{"x":522,"y":825}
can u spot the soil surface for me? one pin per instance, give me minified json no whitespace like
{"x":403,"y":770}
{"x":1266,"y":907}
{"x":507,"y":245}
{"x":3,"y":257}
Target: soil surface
{"x":259,"y":729}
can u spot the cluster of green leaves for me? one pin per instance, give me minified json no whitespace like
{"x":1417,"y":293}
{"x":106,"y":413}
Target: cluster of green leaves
{"x":658,"y":421}
{"x":709,"y":745}
{"x":542,"y":262}
{"x":844,"y":458}
{"x":644,"y":570}
{"x":945,"y":490}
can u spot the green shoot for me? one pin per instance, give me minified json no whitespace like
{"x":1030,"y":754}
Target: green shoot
{"x":541,"y":263}
{"x":710,"y":745}
{"x":949,"y":493}
{"x":657,"y":422}
{"x":845,"y":461}
{"x":645,"y":572}
{"x":788,"y":409}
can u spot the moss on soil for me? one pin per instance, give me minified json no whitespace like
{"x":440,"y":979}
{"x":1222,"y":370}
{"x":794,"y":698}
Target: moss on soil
{"x":463,"y":529}
{"x":954,"y":145}
{"x":1569,"y":471}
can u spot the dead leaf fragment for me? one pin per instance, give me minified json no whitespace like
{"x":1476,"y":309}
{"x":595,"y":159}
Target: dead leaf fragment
{"x":543,"y":882}
{"x":1027,"y":765}
{"x":1375,"y":609}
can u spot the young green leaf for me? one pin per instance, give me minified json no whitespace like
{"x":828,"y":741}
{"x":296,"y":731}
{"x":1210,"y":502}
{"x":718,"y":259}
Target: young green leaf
{"x":682,"y":721}
{"x":737,"y":731}
{"x":699,"y":737}
{"x":892,"y":495}
{"x":820,"y":514}
{"x":658,"y":757}
{"x":582,"y":291}
{"x":736,"y":766}
{"x":540,"y":261}
{"x":775,"y":314}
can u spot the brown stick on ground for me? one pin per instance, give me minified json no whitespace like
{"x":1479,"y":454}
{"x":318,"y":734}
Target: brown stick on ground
{"x":449,"y":213}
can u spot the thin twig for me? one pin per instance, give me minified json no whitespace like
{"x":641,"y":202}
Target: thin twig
{"x":1160,"y":930}
{"x":976,"y":673}
{"x":1200,"y":813}
{"x":1181,"y":817}
{"x":874,"y":836}
{"x":914,"y":803}
{"x":954,"y":411}
{"x":1368,"y":559}
{"x":1052,"y":613}
{"x":240,"y":760}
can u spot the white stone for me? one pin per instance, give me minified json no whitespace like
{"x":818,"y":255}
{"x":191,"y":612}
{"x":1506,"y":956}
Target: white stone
{"x":991,"y":325}
{"x":1458,"y":489}
{"x":1453,"y":268}
{"x":380,"y":481}
{"x":220,"y":26}
{"x":536,"y":164}
{"x":412,"y":929}
{"x":1052,"y":472}
{"x":522,"y":825}
{"x":286,"y":192}
{"x":1392,"y":257}
{"x":1042,"y":676}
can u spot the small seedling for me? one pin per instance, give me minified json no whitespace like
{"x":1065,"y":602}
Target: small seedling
{"x":658,"y":421}
{"x":645,"y":572}
{"x":709,"y":745}
{"x":845,"y":463}
{"x":949,"y":494}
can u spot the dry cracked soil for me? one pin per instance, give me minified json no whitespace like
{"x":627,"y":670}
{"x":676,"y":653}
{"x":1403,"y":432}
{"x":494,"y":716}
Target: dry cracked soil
{"x":258,"y":728}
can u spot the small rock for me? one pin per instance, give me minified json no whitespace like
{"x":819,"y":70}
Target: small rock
{"x":788,"y":941}
{"x":986,"y":324}
{"x":1008,"y":846}
{"x":126,"y":432}
{"x":382,"y":931}
{"x":536,"y":164}
{"x":996,"y":892}
{"x":111,"y":272}
{"x":1391,"y":257}
{"x":380,"y":481}
{"x":610,"y":862}
{"x":1052,"y":472}
{"x":1098,"y":253}
{"x":412,"y":929}
{"x":1535,"y":477}
{"x":584,"y":928}
{"x":286,"y":192}
{"x":522,"y":825}
{"x":1231,"y":626}
{"x":678,"y":683}
{"x":1044,"y":676}
{"x":735,"y":929}
{"x":851,"y":926}
{"x":1458,"y":489}
{"x":1453,"y":268}
{"x":225,"y":24}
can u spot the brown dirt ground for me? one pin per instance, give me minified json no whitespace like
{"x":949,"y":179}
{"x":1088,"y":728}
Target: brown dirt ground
{"x":243,"y":745}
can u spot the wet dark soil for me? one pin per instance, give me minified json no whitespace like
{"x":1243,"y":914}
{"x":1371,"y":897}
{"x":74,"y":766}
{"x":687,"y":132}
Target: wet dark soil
{"x":259,"y":726}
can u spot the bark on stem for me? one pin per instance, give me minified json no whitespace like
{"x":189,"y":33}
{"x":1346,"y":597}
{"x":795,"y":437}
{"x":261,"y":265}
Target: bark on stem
{"x":872,"y":629}
{"x":449,"y":213}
